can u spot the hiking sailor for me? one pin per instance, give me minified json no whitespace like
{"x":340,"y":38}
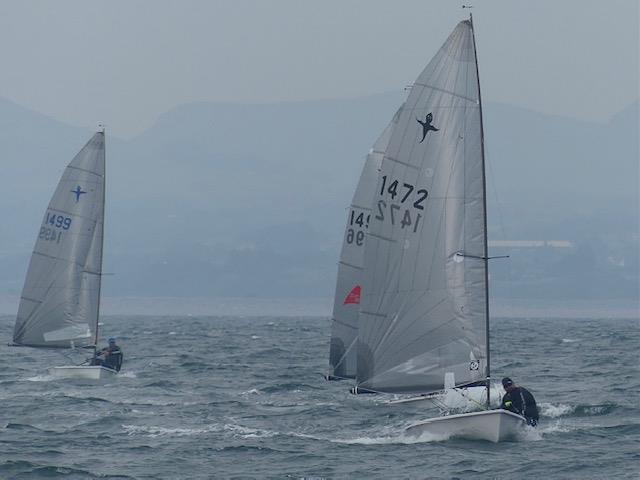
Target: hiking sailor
{"x":112,"y":356}
{"x":519,"y":400}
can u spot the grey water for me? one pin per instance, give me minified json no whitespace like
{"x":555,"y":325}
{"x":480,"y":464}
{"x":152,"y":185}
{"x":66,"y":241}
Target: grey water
{"x":243,"y":397}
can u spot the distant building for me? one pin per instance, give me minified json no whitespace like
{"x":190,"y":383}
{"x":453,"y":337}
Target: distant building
{"x":530,"y":243}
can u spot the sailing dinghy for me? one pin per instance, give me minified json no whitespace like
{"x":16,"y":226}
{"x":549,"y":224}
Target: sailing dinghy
{"x":60,"y":302}
{"x":424,"y":310}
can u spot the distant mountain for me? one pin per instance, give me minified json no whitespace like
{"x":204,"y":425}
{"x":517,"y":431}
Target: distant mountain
{"x":249,"y":200}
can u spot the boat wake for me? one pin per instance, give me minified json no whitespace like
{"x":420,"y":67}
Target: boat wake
{"x":40,"y":378}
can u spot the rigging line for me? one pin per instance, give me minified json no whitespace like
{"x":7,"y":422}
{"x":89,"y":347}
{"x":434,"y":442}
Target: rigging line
{"x":471,"y":399}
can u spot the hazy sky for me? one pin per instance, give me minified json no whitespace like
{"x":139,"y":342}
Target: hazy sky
{"x":125,"y":62}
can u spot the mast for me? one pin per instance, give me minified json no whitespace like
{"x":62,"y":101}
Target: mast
{"x":484,"y":198}
{"x":101,"y":239}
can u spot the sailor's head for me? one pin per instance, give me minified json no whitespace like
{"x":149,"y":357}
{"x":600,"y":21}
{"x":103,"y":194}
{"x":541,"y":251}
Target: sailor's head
{"x":507,"y":383}
{"x":112,"y":341}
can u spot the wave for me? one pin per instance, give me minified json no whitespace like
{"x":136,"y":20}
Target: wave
{"x":25,"y":426}
{"x":22,"y":468}
{"x":157,"y":431}
{"x":40,"y":378}
{"x":562,"y":410}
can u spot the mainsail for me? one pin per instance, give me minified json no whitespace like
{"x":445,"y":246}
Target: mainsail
{"x":344,"y":325}
{"x":61,"y":294}
{"x":423,"y":309}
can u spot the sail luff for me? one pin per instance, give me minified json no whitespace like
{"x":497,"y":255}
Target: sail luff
{"x":101,"y":236}
{"x":486,"y":241}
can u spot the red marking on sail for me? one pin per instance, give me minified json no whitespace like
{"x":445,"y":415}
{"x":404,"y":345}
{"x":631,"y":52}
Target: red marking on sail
{"x":353,"y":297}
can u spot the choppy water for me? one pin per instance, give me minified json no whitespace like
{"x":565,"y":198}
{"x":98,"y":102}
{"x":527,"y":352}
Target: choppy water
{"x":243,"y":398}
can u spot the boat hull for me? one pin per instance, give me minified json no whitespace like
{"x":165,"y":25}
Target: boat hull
{"x":491,"y":425}
{"x":83,"y":372}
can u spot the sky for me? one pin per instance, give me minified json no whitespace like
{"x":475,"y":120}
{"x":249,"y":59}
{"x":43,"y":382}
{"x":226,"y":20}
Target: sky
{"x":125,"y":62}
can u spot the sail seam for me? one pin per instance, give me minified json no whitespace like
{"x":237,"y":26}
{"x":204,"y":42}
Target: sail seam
{"x":401,"y":162}
{"x":449,"y":92}
{"x":382,"y":238}
{"x":30,"y":300}
{"x":77,"y":215}
{"x":353,"y":205}
{"x":84,"y":170}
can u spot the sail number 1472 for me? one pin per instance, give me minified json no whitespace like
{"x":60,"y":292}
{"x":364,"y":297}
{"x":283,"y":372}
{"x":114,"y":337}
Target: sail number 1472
{"x":405,"y":200}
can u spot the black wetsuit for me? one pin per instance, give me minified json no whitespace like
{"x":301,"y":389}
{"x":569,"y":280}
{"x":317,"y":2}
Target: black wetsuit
{"x":520,"y":401}
{"x":113,"y":360}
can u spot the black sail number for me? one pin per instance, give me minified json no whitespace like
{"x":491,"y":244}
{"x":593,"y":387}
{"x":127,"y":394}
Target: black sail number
{"x":403,"y":190}
{"x":396,"y":216}
{"x":422,"y":195}
{"x":358,"y":223}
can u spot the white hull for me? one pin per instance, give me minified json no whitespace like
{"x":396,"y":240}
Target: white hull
{"x":84,"y":372}
{"x":492,"y":425}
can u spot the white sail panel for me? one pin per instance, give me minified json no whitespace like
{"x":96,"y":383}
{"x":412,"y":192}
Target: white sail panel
{"x":60,"y":297}
{"x":423,"y":301}
{"x":344,"y":325}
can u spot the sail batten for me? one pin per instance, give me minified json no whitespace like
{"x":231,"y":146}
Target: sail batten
{"x":423,"y":303}
{"x":61,"y":294}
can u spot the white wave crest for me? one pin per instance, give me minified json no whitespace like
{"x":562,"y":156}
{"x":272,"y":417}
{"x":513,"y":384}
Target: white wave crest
{"x":253,"y":391}
{"x":156,"y":431}
{"x":248,"y":432}
{"x":41,"y":378}
{"x":555,"y":411}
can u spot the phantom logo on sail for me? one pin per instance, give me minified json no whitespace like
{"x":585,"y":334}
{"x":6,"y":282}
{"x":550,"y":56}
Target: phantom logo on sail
{"x":426,"y":126}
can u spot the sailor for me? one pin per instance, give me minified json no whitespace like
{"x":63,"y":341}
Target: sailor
{"x":519,"y":400}
{"x":112,"y":356}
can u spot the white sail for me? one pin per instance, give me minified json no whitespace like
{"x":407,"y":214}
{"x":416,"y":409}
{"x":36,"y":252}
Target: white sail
{"x":423,"y":308}
{"x":61,"y":294}
{"x":344,"y":325}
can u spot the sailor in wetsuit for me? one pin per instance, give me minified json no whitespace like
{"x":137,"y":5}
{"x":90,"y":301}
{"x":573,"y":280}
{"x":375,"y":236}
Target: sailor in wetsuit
{"x":112,"y":356}
{"x":519,"y":400}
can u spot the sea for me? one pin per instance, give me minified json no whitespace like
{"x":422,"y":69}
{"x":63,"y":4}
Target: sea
{"x":207,"y":397}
